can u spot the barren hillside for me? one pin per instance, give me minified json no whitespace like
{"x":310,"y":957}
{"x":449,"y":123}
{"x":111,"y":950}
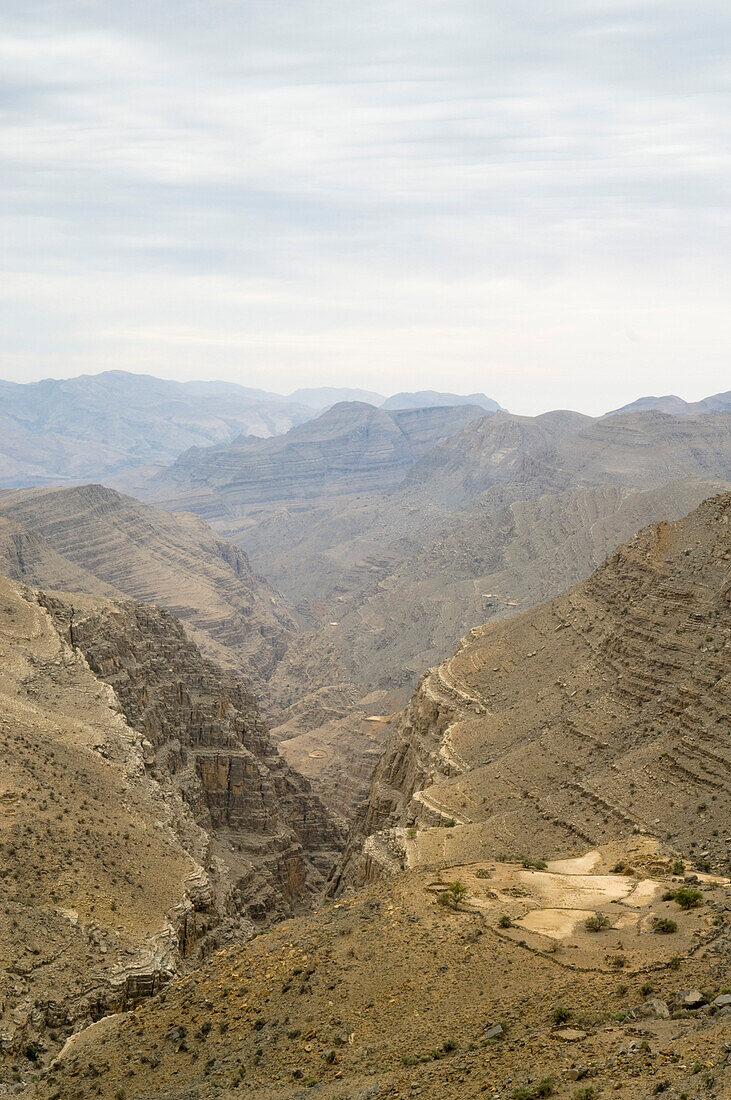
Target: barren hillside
{"x":93,"y":539}
{"x":390,"y":994}
{"x":145,"y":816}
{"x":599,"y":714}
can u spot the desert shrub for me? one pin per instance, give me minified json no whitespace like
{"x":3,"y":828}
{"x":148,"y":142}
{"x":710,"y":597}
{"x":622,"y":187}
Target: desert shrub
{"x":535,"y":864}
{"x":597,"y":922}
{"x":664,"y":925}
{"x":454,"y":894}
{"x":545,"y":1087}
{"x":688,"y":899}
{"x":586,"y":1092}
{"x":561,"y":1014}
{"x":505,"y":921}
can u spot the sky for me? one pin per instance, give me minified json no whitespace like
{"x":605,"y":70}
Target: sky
{"x":528,"y":198}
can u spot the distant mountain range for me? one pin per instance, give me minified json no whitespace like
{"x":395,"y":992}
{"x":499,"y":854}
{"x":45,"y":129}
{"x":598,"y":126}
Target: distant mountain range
{"x":427,"y":399}
{"x":675,"y":406}
{"x":353,"y":447}
{"x":100,"y":427}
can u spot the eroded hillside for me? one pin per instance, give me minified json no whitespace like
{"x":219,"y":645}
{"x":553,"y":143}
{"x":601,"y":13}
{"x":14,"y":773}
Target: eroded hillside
{"x":389,"y":993}
{"x":93,"y":539}
{"x":601,"y":713}
{"x":145,"y":816}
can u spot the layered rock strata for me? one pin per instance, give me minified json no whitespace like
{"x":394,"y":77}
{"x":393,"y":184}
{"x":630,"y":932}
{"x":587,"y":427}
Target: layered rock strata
{"x":601,"y":713}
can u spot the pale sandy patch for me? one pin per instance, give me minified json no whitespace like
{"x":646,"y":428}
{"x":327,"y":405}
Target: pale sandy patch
{"x":556,"y":923}
{"x":581,"y":865}
{"x":643,"y":893}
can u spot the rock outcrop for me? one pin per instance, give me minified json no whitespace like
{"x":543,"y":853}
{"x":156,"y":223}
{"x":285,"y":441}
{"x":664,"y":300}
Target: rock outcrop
{"x":145,"y":817}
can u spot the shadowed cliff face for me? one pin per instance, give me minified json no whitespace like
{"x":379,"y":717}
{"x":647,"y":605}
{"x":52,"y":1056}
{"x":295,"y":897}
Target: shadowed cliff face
{"x":603,"y":712}
{"x":206,"y":737}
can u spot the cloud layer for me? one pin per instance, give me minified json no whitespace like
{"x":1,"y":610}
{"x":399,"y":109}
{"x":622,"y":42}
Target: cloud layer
{"x":525,"y":198}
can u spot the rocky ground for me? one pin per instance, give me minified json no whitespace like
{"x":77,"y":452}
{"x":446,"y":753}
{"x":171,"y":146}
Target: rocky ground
{"x":389,"y":993}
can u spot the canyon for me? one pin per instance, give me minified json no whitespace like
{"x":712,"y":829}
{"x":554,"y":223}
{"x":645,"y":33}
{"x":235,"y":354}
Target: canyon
{"x":249,"y":844}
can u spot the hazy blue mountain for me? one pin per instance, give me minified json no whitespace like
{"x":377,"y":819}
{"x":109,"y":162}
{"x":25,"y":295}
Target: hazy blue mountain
{"x":97,"y":426}
{"x":426,"y":399}
{"x":676,"y":406}
{"x":323,"y":397}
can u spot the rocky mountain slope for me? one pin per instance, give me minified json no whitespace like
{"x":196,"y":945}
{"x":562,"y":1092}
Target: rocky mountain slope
{"x":601,"y":713}
{"x":93,"y":427}
{"x":390,"y":994}
{"x":145,"y":816}
{"x":353,"y":447}
{"x":390,"y":583}
{"x":93,"y":539}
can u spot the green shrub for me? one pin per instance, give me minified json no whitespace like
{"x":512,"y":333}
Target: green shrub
{"x":664,"y":925}
{"x":688,"y":899}
{"x":535,"y":864}
{"x":505,"y":921}
{"x":561,"y":1014}
{"x":454,"y":894}
{"x":597,"y":922}
{"x":586,"y":1092}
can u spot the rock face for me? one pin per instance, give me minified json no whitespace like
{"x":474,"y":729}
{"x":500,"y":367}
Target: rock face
{"x":603,"y":712}
{"x":204,"y":731}
{"x":93,"y":539}
{"x":353,"y":447}
{"x":145,"y":817}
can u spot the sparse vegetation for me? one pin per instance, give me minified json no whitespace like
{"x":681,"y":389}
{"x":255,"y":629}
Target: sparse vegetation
{"x":545,"y":1087}
{"x":453,"y":895}
{"x":664,"y":925}
{"x":505,"y":921}
{"x":561,"y":1014}
{"x":449,"y":1046}
{"x":597,"y":922}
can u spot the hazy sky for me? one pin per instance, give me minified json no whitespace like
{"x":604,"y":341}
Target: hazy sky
{"x":525,"y":197}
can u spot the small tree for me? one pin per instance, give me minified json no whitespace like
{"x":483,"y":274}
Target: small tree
{"x":454,"y":894}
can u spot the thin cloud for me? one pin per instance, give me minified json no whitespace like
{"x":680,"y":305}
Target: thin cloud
{"x":396,"y":183}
